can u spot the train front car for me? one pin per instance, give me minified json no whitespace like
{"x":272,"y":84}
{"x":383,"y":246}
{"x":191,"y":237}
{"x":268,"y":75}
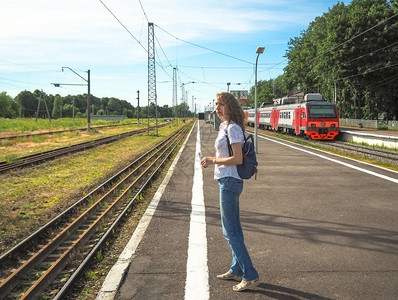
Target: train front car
{"x":322,"y":122}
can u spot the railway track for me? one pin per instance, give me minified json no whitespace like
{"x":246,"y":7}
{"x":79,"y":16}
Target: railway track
{"x":51,"y":154}
{"x":12,"y":137}
{"x":380,"y":154}
{"x":48,"y":262}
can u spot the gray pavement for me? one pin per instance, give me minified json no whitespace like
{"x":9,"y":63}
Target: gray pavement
{"x":315,"y":228}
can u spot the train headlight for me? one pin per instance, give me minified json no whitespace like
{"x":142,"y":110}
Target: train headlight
{"x":313,"y":125}
{"x":332,"y":125}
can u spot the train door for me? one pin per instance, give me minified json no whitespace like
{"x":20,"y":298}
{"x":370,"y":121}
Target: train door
{"x":298,"y":121}
{"x":258,"y":118}
{"x":276,"y":119}
{"x":272,"y":119}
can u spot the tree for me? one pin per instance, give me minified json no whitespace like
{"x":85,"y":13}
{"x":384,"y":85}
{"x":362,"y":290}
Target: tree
{"x":7,"y":106}
{"x":351,"y":49}
{"x":28,"y":103}
{"x":114,"y":106}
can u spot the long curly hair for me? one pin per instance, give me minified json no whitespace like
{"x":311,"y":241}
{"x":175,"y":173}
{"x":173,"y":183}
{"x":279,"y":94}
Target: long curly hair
{"x":234,"y":110}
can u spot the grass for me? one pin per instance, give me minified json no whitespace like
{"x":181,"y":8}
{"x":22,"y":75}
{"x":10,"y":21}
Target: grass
{"x":31,"y":197}
{"x":382,"y":146}
{"x":28,"y":125}
{"x":21,"y":146}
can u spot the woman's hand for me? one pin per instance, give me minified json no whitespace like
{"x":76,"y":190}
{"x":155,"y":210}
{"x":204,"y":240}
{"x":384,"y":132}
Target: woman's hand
{"x":206,"y":161}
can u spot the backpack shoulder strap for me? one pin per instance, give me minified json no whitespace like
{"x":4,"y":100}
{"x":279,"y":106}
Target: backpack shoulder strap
{"x":228,"y":142}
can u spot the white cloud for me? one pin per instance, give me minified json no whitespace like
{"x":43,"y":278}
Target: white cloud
{"x":49,"y":34}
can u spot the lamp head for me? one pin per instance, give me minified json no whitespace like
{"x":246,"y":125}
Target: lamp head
{"x":260,"y":50}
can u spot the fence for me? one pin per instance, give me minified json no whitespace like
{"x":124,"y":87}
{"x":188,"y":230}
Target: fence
{"x":109,"y":118}
{"x":376,"y":124}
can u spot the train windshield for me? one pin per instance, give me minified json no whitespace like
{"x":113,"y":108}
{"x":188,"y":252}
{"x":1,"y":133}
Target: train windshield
{"x":321,"y":111}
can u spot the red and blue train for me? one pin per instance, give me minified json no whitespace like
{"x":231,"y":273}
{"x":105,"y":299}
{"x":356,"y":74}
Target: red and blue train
{"x":314,"y":117}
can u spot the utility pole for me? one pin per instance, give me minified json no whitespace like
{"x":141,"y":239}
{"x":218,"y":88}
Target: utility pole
{"x":193,"y":103}
{"x":138,"y":107}
{"x":88,"y":91}
{"x":175,"y":91}
{"x":45,"y":104}
{"x":335,"y":92}
{"x":152,"y":97}
{"x":88,"y":101}
{"x":38,"y":109}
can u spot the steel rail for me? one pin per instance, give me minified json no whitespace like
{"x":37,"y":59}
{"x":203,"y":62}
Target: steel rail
{"x":114,"y":187}
{"x":48,"y":276}
{"x":59,"y":265}
{"x":12,"y":137}
{"x":366,"y":151}
{"x":24,"y":244}
{"x":110,"y":230}
{"x":51,"y":154}
{"x":390,"y":156}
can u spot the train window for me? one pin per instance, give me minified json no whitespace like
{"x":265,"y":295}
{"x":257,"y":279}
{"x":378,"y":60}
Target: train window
{"x":322,"y":111}
{"x":289,"y":114}
{"x":303,"y":114}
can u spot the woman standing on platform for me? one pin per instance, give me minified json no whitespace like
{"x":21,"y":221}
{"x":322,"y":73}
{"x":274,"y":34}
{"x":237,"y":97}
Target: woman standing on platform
{"x":230,"y":112}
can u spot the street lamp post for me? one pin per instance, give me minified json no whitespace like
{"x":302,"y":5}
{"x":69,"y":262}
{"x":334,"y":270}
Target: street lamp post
{"x":88,"y":91}
{"x":258,"y":51}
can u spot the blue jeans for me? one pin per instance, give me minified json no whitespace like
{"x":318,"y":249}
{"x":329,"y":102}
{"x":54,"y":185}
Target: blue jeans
{"x":230,"y":189}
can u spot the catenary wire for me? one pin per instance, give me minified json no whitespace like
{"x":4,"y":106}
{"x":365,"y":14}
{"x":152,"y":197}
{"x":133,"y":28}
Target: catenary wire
{"x":199,"y":46}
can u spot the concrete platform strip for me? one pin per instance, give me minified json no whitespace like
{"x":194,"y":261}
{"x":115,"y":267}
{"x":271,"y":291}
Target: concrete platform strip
{"x":116,"y":274}
{"x":334,"y":160}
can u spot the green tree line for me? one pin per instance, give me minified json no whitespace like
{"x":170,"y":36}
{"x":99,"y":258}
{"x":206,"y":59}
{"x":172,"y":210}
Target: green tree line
{"x":26,"y":104}
{"x":349,"y":54}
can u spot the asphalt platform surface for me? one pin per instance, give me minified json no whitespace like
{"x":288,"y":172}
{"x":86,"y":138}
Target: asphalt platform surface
{"x":316,"y":225}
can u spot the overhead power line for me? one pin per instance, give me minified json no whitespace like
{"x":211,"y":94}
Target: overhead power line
{"x":143,"y":11}
{"x":367,"y":72}
{"x":120,"y":22}
{"x":199,"y":46}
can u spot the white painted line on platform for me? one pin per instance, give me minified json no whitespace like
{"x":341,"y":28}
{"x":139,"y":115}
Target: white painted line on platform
{"x":197,"y":283}
{"x":334,"y":160}
{"x":114,"y":278}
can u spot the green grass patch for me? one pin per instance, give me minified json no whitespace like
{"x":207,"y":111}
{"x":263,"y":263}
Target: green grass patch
{"x":24,"y":125}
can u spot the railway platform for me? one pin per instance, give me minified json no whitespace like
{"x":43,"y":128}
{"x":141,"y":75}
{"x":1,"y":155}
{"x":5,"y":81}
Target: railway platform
{"x":387,"y":138}
{"x":317,"y":227}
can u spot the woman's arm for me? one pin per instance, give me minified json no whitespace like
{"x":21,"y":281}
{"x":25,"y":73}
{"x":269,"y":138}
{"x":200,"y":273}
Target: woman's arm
{"x":235,"y":159}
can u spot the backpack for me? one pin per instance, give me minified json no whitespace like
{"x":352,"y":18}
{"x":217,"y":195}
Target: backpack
{"x":248,"y":168}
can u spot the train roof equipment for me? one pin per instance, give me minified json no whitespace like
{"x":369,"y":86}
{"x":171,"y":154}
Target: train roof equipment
{"x":313,"y":97}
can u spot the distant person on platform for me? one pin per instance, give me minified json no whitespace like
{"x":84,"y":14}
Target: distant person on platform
{"x":231,"y":185}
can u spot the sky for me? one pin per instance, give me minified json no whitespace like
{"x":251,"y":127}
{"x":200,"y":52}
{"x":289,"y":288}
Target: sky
{"x":211,"y":43}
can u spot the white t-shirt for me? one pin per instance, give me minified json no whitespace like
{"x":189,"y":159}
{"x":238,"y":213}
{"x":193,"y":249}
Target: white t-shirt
{"x":235,"y":135}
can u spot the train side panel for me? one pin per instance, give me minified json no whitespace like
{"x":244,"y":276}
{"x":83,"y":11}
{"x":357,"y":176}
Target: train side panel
{"x":317,"y":120}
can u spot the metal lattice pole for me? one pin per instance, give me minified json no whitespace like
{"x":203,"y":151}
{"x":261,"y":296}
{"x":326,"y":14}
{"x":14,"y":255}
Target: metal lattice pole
{"x":152,"y":99}
{"x":193,"y":103}
{"x":175,"y":91}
